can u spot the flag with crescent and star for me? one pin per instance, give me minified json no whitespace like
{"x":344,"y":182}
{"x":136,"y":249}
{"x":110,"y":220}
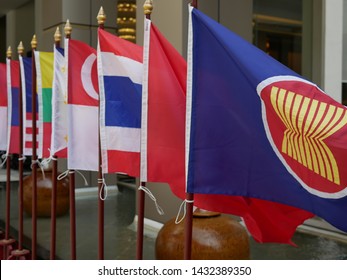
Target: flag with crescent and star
{"x":83,"y":106}
{"x":120,"y":78}
{"x":258,"y":129}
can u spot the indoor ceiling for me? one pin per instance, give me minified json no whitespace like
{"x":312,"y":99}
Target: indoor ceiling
{"x":7,"y":5}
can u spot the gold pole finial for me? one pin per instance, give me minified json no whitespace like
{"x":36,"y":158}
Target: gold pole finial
{"x":101,"y":16}
{"x":9,"y":52}
{"x":67,"y":28}
{"x":20,"y":48}
{"x":57,"y":35}
{"x":34,"y":42}
{"x":148,"y":7}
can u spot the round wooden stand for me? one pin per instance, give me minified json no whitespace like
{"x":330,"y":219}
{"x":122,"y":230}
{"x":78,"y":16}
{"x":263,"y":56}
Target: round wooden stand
{"x":44,"y":194}
{"x":215,"y":237}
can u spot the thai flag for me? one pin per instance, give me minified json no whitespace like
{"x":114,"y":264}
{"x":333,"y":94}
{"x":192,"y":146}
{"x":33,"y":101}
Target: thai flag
{"x":120,"y":80}
{"x":3,"y":108}
{"x":259,"y":130}
{"x":26,"y":78}
{"x":13,"y":106}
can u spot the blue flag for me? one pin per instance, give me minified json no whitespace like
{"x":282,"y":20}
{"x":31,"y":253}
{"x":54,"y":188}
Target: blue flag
{"x":257,"y":129}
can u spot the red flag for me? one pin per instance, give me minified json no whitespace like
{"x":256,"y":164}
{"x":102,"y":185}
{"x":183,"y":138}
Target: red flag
{"x":163,"y":145}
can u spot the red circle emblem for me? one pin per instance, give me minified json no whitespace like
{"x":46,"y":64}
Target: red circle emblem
{"x":308,"y":131}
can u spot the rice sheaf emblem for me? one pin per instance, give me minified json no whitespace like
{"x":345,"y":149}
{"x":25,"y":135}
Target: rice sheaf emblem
{"x":308,"y":131}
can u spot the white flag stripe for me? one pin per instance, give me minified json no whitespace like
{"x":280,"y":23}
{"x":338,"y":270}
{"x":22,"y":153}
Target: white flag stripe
{"x":126,"y":67}
{"x":9,"y":102}
{"x":3,"y":128}
{"x":123,"y":138}
{"x":144,"y":110}
{"x":82,"y":118}
{"x":29,"y":124}
{"x":24,"y":101}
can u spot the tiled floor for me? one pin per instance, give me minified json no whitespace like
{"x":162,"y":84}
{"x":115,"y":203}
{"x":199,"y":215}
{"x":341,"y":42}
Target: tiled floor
{"x":120,"y":237}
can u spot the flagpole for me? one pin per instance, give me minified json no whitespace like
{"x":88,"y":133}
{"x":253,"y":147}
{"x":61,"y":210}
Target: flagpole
{"x":6,"y":242}
{"x":68,"y":30}
{"x":147,"y":9}
{"x":34,"y":153}
{"x":101,"y":21}
{"x":188,"y":230}
{"x":20,"y":252}
{"x":57,"y":39}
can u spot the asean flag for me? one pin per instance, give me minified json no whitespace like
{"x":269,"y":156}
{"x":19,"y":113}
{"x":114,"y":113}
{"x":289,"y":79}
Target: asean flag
{"x":3,"y":108}
{"x":120,"y":77}
{"x":83,"y":104}
{"x":257,"y":129}
{"x":13,"y":106}
{"x":163,"y":145}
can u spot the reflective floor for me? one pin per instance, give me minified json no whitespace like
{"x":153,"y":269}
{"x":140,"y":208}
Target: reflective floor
{"x":120,"y":236}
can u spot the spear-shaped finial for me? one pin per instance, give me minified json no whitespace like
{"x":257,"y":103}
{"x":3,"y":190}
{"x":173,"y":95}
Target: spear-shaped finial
{"x":34,"y":42}
{"x":57,"y":35}
{"x":148,"y":7}
{"x":101,"y":16}
{"x":9,"y":52}
{"x":67,"y":28}
{"x":20,"y":48}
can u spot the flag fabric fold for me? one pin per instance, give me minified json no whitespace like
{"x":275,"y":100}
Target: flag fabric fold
{"x":3,"y":108}
{"x":163,"y":145}
{"x":83,"y":103}
{"x":13,"y":106}
{"x":59,"y":106}
{"x":120,"y":73}
{"x":257,"y":129}
{"x":44,"y":76}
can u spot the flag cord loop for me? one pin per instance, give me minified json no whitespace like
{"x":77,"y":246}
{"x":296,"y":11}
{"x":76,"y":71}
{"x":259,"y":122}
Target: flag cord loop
{"x":4,"y":158}
{"x":149,"y":193}
{"x":23,"y":158}
{"x":40,"y":165}
{"x":103,"y":186}
{"x":63,"y":175}
{"x":46,"y":161}
{"x":184,"y":208}
{"x":67,"y":172}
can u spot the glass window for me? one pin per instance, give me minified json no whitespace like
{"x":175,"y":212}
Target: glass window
{"x":278,"y":30}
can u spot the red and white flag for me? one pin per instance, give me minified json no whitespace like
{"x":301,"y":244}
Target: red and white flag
{"x":3,"y":108}
{"x":83,"y":106}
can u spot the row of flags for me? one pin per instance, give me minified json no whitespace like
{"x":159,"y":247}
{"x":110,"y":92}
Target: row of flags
{"x":238,"y":129}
